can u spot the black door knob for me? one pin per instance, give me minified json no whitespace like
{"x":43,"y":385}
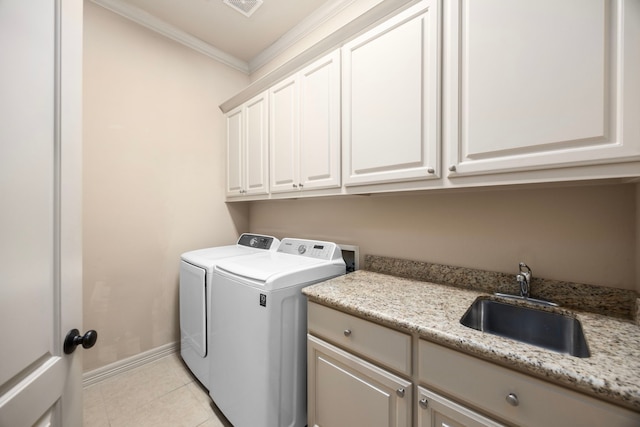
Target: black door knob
{"x":74,"y":339}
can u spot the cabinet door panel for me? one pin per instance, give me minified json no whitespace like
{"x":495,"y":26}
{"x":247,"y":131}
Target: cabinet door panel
{"x":256,"y":143}
{"x":539,"y":403}
{"x":347,"y":391}
{"x":391,"y":100}
{"x":320,"y":123}
{"x":537,"y":85}
{"x":235,"y":163}
{"x":283,"y":129}
{"x":437,"y":411}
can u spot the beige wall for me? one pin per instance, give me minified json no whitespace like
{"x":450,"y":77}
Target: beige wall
{"x":581,"y":234}
{"x":153,"y":179}
{"x":154,"y":176}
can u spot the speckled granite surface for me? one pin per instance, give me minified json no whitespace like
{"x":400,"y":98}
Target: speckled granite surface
{"x":596,"y":299}
{"x":433,"y":311}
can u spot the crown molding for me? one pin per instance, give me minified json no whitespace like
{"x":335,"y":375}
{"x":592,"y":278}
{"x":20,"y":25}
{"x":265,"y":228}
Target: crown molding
{"x":335,"y":40}
{"x":290,"y":38}
{"x":149,"y":21}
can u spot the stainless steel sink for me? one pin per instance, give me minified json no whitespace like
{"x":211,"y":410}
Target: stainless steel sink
{"x":547,"y":329}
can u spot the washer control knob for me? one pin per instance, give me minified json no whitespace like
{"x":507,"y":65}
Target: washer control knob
{"x":302,"y":249}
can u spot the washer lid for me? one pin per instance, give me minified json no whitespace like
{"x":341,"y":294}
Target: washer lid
{"x":247,"y":244}
{"x":296,"y":262}
{"x":267,"y":266}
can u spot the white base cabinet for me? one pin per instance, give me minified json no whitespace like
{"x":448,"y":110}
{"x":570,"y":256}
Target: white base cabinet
{"x":345,"y":390}
{"x":360,"y":373}
{"x":511,"y":396}
{"x":437,"y":411}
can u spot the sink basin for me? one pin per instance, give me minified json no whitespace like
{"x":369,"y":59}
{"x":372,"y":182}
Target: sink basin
{"x":550,"y":330}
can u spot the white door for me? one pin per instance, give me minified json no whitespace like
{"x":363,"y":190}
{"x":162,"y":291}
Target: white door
{"x":40,"y":211}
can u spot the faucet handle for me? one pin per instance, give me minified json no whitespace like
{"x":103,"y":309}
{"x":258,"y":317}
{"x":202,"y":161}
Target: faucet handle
{"x":524,"y":268}
{"x":524,"y":279}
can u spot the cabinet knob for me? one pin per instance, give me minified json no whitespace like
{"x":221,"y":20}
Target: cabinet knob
{"x":295,"y":185}
{"x":424,"y":404}
{"x":452,"y":168}
{"x":347,"y":332}
{"x":400,"y":392}
{"x":300,"y":185}
{"x":431,"y":170}
{"x":512,"y":399}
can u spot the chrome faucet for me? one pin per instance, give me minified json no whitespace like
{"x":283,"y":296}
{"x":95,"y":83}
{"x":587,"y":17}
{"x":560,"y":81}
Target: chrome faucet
{"x":524,"y":279}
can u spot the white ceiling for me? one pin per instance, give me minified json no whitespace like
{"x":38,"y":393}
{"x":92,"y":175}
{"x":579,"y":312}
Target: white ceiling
{"x":225,"y":29}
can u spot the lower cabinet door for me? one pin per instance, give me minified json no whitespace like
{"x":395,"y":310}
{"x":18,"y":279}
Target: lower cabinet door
{"x":437,"y":411}
{"x":346,"y":391}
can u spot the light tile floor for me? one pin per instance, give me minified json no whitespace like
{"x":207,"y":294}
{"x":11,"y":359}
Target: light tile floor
{"x":160,"y":393}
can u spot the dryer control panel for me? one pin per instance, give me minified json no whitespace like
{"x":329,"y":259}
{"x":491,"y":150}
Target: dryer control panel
{"x":310,"y":248}
{"x":257,"y":241}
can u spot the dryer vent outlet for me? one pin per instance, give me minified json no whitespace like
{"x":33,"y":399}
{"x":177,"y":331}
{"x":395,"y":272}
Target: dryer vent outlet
{"x":351,"y":257}
{"x":245,"y":7}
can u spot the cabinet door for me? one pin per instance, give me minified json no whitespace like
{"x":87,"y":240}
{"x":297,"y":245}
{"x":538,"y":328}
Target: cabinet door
{"x":391,"y":99}
{"x":320,"y":123}
{"x":305,"y":128}
{"x":344,"y":390}
{"x":283,"y":131}
{"x":436,"y":411}
{"x":492,"y":388}
{"x":536,"y":85}
{"x":256,"y":141}
{"x":235,"y":149}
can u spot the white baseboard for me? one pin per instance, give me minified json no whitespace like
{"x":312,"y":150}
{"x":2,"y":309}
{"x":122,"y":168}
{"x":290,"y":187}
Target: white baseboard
{"x":124,"y":365}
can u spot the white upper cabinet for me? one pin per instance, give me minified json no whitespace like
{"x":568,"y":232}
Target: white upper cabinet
{"x":391,"y":100}
{"x":247,"y":145}
{"x":283,"y":129}
{"x":538,"y":85}
{"x":305,"y":128}
{"x":493,"y":92}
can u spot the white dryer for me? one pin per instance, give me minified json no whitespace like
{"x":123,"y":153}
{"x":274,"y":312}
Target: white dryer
{"x":196,"y":269}
{"x":258,"y":332}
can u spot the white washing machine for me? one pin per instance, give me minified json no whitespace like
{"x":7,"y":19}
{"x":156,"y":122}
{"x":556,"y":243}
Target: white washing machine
{"x":258,"y":332}
{"x":196,"y":269}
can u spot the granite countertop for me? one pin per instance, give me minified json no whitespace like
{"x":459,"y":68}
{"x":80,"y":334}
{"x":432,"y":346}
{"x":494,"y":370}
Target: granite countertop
{"x":433,"y":312}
